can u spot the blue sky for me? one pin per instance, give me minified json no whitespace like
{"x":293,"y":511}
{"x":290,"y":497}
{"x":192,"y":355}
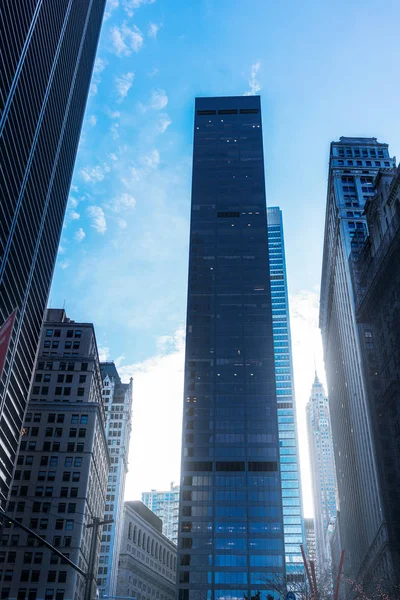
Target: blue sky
{"x":323,"y":70}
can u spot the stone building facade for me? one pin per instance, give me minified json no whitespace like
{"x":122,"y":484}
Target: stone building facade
{"x":147,"y":560}
{"x":60,"y":480}
{"x":376,"y":270}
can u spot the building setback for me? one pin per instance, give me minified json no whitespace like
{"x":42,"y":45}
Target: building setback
{"x":117,"y":399}
{"x":354,"y":163}
{"x":52,"y":44}
{"x":323,"y":473}
{"x":376,"y":269}
{"x":288,"y":440}
{"x":231,"y":522}
{"x":147,"y":560}
{"x":166,"y":506}
{"x":61,"y":475}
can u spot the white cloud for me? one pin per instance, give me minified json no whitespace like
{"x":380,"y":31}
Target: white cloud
{"x":61,"y":249}
{"x":153,"y":30}
{"x":64,"y":264}
{"x":122,"y":223}
{"x":254,"y":84}
{"x":98,"y":219}
{"x":99,"y":66}
{"x":153,"y":72}
{"x":72,"y":214}
{"x":104,"y":353}
{"x":95,"y":174}
{"x":113,"y":156}
{"x":157,"y":389}
{"x":115,"y":131}
{"x":159,"y":99}
{"x":124,"y":84}
{"x":124,"y":201}
{"x":72,"y":202}
{"x":93,"y":120}
{"x":126,"y":39}
{"x":80,"y":235}
{"x":151,"y":160}
{"x":163,"y":123}
{"x":113,"y":114}
{"x":130,"y":5}
{"x":110,"y":7}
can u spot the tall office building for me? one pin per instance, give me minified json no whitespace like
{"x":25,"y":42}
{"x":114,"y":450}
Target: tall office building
{"x":376,"y":269}
{"x":117,"y":399}
{"x":288,"y":441}
{"x":52,"y":44}
{"x":323,"y":473}
{"x":354,"y":163}
{"x":166,"y":506}
{"x":60,"y":480}
{"x":231,"y":521}
{"x":310,"y":538}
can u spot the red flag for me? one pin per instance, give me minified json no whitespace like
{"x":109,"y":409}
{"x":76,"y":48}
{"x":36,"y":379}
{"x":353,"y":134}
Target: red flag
{"x":5,"y":335}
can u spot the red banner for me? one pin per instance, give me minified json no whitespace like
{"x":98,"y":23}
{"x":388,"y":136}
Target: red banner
{"x":5,"y":335}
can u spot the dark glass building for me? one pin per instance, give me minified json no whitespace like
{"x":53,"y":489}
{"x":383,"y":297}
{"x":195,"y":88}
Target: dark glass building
{"x":231,"y":524}
{"x":47,"y":51}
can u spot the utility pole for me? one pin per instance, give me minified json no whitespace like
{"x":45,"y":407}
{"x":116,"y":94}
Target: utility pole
{"x":97,"y":523}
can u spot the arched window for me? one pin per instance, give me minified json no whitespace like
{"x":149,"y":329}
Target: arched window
{"x":175,"y":563}
{"x":148,"y":545}
{"x":152,"y":547}
{"x":140,"y":537}
{"x":144,"y":542}
{"x":163,"y":558}
{"x":171,"y":561}
{"x":156,"y":553}
{"x":167,"y":559}
{"x":135,"y":534}
{"x":130,"y":531}
{"x":160,"y":553}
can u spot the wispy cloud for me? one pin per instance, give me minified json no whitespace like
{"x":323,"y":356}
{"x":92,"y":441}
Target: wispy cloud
{"x":80,"y":235}
{"x":98,"y":218}
{"x":124,"y":202}
{"x":99,"y":66}
{"x":151,"y":160}
{"x":115,"y":131}
{"x":93,"y":120}
{"x":159,"y":99}
{"x":64,"y":264}
{"x":131,"y":5}
{"x":126,"y":40}
{"x":153,"y":30}
{"x":94,"y":174}
{"x":110,"y":7}
{"x":163,"y":123}
{"x":73,"y":215}
{"x":124,"y":84}
{"x":254,"y":84}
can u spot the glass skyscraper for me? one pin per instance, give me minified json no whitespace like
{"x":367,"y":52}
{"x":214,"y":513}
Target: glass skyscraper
{"x":288,"y":440}
{"x":48,"y":49}
{"x":231,"y":524}
{"x":165,"y":504}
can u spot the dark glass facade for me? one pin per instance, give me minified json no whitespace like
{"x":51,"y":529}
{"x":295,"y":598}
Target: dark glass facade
{"x":231,"y":524}
{"x":47,"y":52}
